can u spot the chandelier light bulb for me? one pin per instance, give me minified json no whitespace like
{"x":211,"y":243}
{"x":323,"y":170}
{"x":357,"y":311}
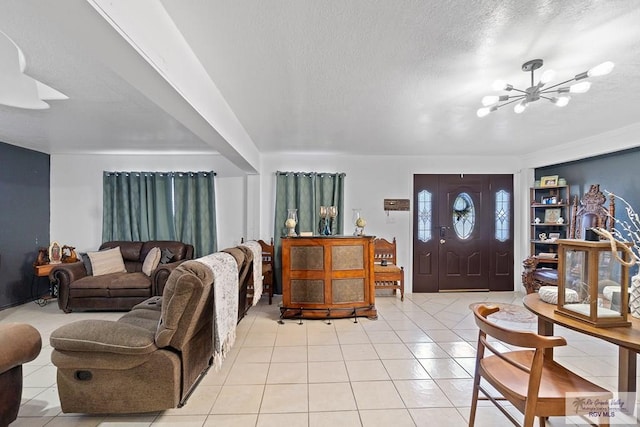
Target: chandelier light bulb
{"x":580,"y":87}
{"x":482,"y":112}
{"x":601,"y":69}
{"x":520,"y":106}
{"x":501,"y":85}
{"x":490,"y":100}
{"x":561,"y":101}
{"x":547,"y":76}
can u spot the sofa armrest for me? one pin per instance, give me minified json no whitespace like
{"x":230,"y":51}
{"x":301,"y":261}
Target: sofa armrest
{"x":19,"y":343}
{"x":64,"y":275}
{"x":161,"y":274}
{"x":103,"y":336}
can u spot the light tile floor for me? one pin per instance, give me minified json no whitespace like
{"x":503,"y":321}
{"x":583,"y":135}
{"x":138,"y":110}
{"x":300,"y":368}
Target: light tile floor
{"x":413,"y":366}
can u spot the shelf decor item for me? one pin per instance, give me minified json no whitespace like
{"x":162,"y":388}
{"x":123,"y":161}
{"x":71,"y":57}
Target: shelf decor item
{"x":55,"y":253}
{"x":291,"y":222}
{"x":359,"y":222}
{"x":549,"y":181}
{"x":328,"y":215}
{"x":597,"y":271}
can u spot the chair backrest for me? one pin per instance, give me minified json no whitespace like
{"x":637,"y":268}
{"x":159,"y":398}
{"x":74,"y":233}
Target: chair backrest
{"x":384,"y":250}
{"x":524,"y":339}
{"x":267,"y":251}
{"x":591,"y":212}
{"x":532,"y":367}
{"x":186,"y":305}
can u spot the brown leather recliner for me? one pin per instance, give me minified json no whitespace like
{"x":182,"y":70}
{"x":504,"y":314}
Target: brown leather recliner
{"x":77,"y":290}
{"x":19,"y":343}
{"x":148,"y":360}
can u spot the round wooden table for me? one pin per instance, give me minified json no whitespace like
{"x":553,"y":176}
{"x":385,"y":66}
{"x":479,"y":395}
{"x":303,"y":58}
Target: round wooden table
{"x":626,"y":338}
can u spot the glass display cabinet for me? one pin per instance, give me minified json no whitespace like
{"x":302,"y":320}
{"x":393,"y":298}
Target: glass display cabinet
{"x":592,"y":283}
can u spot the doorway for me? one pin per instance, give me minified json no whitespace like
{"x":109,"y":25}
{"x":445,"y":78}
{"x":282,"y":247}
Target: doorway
{"x":462,"y":233}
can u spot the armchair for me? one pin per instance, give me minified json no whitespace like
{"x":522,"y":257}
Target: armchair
{"x":19,"y":343}
{"x":149,"y":360}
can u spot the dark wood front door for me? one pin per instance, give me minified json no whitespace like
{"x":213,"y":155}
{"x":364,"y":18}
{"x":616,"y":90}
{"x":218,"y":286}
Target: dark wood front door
{"x":463,"y":232}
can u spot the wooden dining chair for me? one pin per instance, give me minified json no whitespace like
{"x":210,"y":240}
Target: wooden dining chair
{"x":267,"y":267}
{"x":535,"y":385}
{"x":386,"y":273}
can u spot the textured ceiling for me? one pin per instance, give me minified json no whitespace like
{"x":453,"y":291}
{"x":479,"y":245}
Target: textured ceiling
{"x":363,"y":76}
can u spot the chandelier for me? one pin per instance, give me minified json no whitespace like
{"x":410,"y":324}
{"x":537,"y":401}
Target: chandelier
{"x":558,"y":93}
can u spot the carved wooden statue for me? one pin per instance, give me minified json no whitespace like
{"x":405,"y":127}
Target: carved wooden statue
{"x":43,"y":257}
{"x":69,"y":254}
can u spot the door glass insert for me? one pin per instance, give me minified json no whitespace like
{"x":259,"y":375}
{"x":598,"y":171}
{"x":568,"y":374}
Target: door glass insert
{"x":464,"y":216}
{"x":503,"y":208}
{"x":425,"y":210}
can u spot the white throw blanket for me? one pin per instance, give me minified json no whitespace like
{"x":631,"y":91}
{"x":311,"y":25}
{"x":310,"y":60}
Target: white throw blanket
{"x":225,"y":302}
{"x":256,"y":250}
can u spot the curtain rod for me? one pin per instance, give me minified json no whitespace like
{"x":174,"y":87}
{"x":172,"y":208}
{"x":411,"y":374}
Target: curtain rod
{"x":158,"y":172}
{"x":280,"y":173}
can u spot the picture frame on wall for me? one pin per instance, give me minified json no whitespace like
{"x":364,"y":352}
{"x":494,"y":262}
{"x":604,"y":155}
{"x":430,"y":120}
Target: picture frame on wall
{"x":549,"y":181}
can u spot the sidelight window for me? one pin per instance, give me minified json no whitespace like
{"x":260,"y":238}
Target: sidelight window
{"x":425,"y":215}
{"x":502,"y":214}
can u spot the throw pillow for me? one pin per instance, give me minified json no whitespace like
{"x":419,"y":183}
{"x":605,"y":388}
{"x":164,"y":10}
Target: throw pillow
{"x":151,"y":261}
{"x":106,"y":262}
{"x":87,"y":263}
{"x":166,"y":256}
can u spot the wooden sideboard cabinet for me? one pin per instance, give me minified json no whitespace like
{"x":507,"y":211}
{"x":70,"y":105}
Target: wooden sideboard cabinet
{"x":328,"y":277}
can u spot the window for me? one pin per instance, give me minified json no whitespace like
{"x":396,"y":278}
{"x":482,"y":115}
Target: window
{"x":425,"y":215}
{"x":502,"y":213}
{"x":464,"y":216}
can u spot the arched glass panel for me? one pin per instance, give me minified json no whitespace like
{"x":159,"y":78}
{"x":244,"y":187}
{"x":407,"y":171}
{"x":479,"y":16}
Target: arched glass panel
{"x":503,"y":212}
{"x":464,"y":216}
{"x":425,"y":209}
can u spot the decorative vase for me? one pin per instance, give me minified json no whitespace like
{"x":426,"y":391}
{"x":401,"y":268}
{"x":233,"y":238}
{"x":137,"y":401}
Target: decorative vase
{"x":327,"y":216}
{"x":291,"y":222}
{"x":333,"y":213}
{"x":634,"y":296}
{"x":359,"y":222}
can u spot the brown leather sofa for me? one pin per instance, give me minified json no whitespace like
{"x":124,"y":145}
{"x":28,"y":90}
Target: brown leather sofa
{"x":149,"y":360}
{"x":19,"y":343}
{"x":78,"y":291}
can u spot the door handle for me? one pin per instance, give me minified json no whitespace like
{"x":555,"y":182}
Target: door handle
{"x":443,"y":234}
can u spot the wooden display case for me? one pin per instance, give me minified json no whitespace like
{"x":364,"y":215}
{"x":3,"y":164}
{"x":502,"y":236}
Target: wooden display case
{"x":328,"y":277}
{"x":588,"y":269}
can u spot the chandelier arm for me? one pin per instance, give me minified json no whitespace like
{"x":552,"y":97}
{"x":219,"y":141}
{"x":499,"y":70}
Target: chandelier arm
{"x":548,"y":89}
{"x":515,"y":98}
{"x":518,"y":90}
{"x":547,"y":98}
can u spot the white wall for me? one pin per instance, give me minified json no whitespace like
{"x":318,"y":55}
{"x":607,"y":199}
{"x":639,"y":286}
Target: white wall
{"x":76,"y":193}
{"x":370,"y":179}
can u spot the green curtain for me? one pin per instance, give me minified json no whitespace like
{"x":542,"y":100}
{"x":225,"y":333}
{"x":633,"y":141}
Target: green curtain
{"x":142,"y":206}
{"x":195,"y":211}
{"x":137,"y":206}
{"x":306,"y":192}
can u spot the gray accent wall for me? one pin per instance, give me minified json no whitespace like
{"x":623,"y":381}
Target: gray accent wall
{"x":615,"y":172}
{"x":24,"y":222}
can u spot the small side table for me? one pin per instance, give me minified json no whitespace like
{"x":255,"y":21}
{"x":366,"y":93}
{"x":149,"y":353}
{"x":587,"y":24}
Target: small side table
{"x":42,"y":271}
